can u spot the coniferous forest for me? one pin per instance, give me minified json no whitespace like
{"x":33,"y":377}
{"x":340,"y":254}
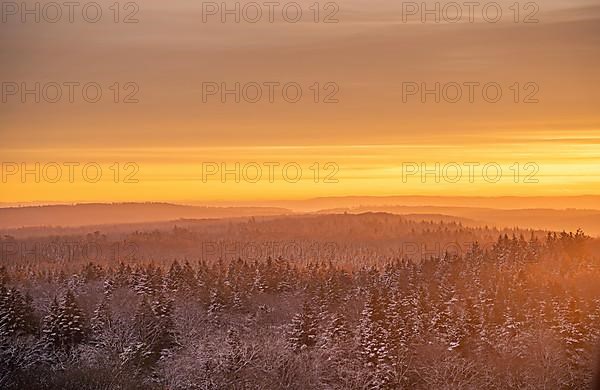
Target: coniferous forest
{"x":513,"y":310}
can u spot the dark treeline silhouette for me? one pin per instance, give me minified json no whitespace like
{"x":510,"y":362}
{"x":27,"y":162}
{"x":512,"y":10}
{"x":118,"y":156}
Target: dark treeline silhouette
{"x":523,"y":313}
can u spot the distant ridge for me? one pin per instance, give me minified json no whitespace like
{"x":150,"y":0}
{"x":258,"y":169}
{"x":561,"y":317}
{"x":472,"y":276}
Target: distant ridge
{"x":116,"y":213}
{"x":496,"y":202}
{"x":533,"y":218}
{"x":551,"y":213}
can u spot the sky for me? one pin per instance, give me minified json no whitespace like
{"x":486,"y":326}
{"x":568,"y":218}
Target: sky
{"x":359,"y":121}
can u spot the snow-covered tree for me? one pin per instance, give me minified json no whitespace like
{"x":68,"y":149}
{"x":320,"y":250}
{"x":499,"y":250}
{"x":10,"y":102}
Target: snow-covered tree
{"x":16,"y":313}
{"x":64,"y":326}
{"x":303,"y":332}
{"x":373,"y":338}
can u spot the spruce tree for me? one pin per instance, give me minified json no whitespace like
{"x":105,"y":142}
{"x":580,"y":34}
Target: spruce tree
{"x":259,"y":283}
{"x":71,"y":321}
{"x":190,"y":284}
{"x":373,"y":339}
{"x":572,"y":332}
{"x":64,"y":326}
{"x":141,"y":352}
{"x":16,"y":313}
{"x":102,"y":318}
{"x":303,"y":332}
{"x":337,"y":331}
{"x":163,"y":313}
{"x":51,"y":328}
{"x":155,"y":332}
{"x":397,"y":328}
{"x":216,"y":303}
{"x":472,"y":320}
{"x":174,"y":278}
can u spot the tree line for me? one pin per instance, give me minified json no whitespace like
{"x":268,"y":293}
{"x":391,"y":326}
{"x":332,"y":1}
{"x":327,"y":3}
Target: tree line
{"x":522,"y":313}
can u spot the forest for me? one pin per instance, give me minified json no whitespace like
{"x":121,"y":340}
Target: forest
{"x":511,"y":309}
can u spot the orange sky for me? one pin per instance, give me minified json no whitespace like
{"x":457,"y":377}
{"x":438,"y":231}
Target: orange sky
{"x":369,"y":134}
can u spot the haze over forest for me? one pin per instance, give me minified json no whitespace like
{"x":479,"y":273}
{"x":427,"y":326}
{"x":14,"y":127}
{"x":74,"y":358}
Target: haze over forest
{"x":549,"y":213}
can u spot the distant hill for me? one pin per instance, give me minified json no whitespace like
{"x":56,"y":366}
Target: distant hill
{"x":117,"y":213}
{"x":527,"y":212}
{"x":494,"y":202}
{"x":542,"y":218}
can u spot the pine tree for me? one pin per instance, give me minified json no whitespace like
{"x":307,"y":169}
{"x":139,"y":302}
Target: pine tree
{"x":16,"y":313}
{"x":163,"y":312}
{"x":259,"y":283}
{"x":236,"y":356}
{"x":397,"y":328}
{"x":337,"y":330}
{"x":141,"y":352}
{"x":51,"y":328}
{"x":155,"y":332}
{"x":64,"y":326}
{"x":373,"y":341}
{"x":71,"y":321}
{"x":190,"y":283}
{"x":123,"y":275}
{"x":156,"y":280}
{"x":320,"y":304}
{"x":332,"y":290}
{"x":91,"y":272}
{"x":239,"y":300}
{"x":415,"y":302}
{"x":303,"y":332}
{"x":472,"y":318}
{"x":443,"y":321}
{"x":174,"y":277}
{"x":108,"y":287}
{"x":216,"y":303}
{"x":27,"y":313}
{"x":102,"y":318}
{"x":572,"y":331}
{"x":148,"y":281}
